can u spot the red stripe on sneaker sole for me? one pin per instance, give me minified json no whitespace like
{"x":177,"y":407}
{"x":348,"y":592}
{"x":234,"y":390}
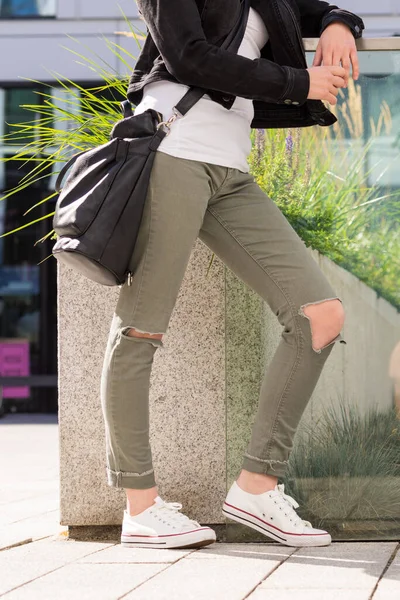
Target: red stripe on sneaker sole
{"x":273,"y":526}
{"x":156,"y":537}
{"x":257,"y":526}
{"x":149,"y":543}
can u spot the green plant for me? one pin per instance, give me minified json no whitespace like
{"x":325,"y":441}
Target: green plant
{"x":68,"y":118}
{"x":346,"y":466}
{"x":346,"y":442}
{"x":324,"y":194}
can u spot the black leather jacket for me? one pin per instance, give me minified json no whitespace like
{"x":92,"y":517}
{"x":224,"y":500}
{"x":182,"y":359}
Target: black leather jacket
{"x":183,"y":41}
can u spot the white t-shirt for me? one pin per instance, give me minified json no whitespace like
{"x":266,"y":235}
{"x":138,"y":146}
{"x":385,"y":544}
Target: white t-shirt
{"x":209,"y":132}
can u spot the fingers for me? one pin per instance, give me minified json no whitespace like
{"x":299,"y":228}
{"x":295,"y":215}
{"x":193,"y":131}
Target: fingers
{"x":355,"y":64}
{"x":338,"y":72}
{"x":331,"y":98}
{"x":336,"y":84}
{"x":327,"y":57}
{"x":346,"y":66}
{"x":317,"y":62}
{"x":343,"y":59}
{"x":339,"y":82}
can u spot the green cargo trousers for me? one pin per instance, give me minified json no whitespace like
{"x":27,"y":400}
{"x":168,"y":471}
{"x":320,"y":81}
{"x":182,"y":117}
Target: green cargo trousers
{"x":230,"y":213}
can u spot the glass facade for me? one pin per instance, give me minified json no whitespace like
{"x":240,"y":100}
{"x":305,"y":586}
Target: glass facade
{"x":28,"y":305}
{"x":28,"y":273}
{"x":20,"y":9}
{"x":345,"y":466}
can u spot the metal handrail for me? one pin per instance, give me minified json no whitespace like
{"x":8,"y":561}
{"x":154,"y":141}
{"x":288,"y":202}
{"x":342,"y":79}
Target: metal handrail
{"x":363,"y":44}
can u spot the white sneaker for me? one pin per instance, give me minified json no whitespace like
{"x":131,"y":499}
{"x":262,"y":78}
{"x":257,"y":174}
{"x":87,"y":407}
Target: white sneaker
{"x":273,"y":514}
{"x":163,"y":526}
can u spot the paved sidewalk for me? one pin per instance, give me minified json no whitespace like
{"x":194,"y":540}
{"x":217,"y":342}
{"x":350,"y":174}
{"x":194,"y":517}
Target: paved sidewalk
{"x":37,"y":561}
{"x":29,"y":489}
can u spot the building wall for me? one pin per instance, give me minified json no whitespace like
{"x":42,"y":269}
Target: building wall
{"x":34,"y":47}
{"x":382,"y":19}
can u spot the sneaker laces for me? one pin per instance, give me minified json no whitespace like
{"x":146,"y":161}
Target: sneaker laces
{"x":171,"y":512}
{"x":290,"y":503}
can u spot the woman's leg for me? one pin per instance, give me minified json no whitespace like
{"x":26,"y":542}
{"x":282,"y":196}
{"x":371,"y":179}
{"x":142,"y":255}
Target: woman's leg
{"x":249,"y":233}
{"x":177,"y":200}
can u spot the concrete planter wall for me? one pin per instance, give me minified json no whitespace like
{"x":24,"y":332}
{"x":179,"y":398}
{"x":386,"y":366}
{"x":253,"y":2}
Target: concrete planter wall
{"x":204,"y":385}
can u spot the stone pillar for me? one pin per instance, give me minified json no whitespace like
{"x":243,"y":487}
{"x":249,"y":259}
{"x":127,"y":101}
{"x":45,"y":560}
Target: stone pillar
{"x":188,"y":428}
{"x":205,"y":383}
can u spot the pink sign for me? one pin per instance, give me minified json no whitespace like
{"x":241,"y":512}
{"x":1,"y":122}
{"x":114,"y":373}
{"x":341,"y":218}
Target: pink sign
{"x":14,"y":362}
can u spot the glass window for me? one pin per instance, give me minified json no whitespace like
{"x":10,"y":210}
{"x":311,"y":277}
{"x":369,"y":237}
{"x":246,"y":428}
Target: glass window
{"x":345,"y":468}
{"x":14,"y":100}
{"x":27,"y":8}
{"x":28,"y":319}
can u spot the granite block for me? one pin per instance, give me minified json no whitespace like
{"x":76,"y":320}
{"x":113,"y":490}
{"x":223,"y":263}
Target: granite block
{"x":243,"y":367}
{"x":187,"y":400}
{"x":205,"y":383}
{"x":371,"y":330}
{"x":356,"y":371}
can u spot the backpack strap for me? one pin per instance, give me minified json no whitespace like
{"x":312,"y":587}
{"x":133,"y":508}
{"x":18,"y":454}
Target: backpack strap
{"x":194,"y":94}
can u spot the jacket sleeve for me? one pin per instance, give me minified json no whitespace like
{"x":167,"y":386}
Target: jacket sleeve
{"x":193,"y":61}
{"x":316,"y":15}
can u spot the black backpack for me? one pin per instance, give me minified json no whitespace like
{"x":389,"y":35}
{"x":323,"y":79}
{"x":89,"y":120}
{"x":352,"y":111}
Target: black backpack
{"x":99,"y":210}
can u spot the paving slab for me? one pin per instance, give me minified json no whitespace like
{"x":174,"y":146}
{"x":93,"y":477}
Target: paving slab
{"x":223,"y":551}
{"x":222,"y":571}
{"x":29,"y":529}
{"x":389,"y":586}
{"x":26,"y":490}
{"x":87,"y":582}
{"x":341,"y":566}
{"x":32,"y":507}
{"x":29,"y":446}
{"x":29,"y":467}
{"x":292,"y":594}
{"x":121,"y":554}
{"x":24,"y":563}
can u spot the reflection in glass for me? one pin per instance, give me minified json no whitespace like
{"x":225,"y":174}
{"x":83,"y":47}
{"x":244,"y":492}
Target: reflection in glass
{"x":340,"y":189}
{"x":27,"y":279}
{"x":27,"y":8}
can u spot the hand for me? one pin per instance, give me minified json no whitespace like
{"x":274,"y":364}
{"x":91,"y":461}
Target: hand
{"x":336,"y":47}
{"x":325,"y":83}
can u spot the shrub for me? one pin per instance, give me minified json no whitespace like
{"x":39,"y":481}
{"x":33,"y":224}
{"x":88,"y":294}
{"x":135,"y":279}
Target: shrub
{"x":347,"y":465}
{"x":318,"y":178}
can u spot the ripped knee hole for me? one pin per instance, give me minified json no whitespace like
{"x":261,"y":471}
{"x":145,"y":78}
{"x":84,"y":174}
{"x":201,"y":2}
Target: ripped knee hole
{"x":133,"y":332}
{"x":326,"y":318}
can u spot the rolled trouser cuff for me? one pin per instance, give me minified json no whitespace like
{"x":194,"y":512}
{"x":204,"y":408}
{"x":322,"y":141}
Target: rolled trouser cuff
{"x":276,"y":468}
{"x":134,"y":481}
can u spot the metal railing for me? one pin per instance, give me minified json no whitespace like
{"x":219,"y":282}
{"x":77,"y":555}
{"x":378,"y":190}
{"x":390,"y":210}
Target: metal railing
{"x":363,"y":44}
